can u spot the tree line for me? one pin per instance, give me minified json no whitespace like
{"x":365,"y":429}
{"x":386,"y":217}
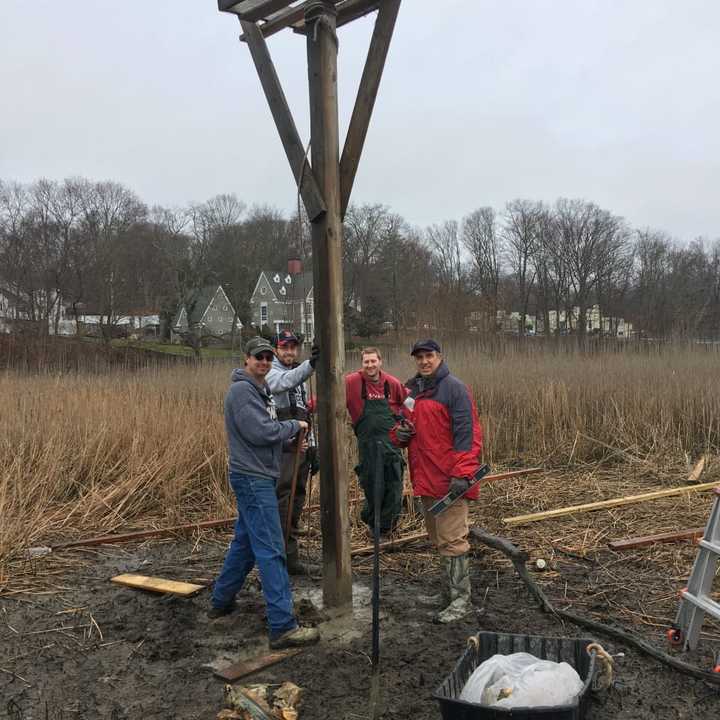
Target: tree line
{"x":97,"y":247}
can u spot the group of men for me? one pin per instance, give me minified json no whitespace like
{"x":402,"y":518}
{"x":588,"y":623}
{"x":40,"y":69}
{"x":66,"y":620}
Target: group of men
{"x":268,"y":413}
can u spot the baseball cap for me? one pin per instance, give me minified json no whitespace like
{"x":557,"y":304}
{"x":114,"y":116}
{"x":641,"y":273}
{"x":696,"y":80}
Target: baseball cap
{"x":258,"y":345}
{"x":425,"y":346}
{"x":285,"y":337}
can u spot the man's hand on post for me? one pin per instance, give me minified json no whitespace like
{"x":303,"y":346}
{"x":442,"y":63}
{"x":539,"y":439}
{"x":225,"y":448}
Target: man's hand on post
{"x":314,"y":355}
{"x":303,"y":425}
{"x":458,"y":486}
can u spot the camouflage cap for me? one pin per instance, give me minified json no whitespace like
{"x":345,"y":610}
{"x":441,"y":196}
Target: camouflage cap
{"x":258,"y":345}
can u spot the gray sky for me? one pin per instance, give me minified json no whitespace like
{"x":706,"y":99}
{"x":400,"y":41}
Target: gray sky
{"x":616,"y":101}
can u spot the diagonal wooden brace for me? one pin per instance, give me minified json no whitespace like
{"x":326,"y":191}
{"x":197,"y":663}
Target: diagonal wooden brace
{"x":300,"y":165}
{"x":367,"y":94}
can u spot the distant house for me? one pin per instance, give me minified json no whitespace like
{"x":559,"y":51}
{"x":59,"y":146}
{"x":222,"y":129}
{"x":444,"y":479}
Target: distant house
{"x":284,"y":300}
{"x":207,"y":311}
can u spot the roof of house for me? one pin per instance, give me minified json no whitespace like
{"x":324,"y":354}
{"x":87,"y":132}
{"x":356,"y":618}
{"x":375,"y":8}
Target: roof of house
{"x":296,"y":287}
{"x":197,"y":303}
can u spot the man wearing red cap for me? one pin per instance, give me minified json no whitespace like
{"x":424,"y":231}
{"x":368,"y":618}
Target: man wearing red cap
{"x":444,"y":441}
{"x":286,"y":381}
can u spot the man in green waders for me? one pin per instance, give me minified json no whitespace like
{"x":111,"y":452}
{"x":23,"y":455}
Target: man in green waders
{"x":374,"y":399}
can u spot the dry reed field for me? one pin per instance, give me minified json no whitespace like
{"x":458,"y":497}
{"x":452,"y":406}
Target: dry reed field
{"x":105,"y":451}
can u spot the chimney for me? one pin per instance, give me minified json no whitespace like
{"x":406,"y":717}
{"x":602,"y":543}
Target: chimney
{"x":294,"y":265}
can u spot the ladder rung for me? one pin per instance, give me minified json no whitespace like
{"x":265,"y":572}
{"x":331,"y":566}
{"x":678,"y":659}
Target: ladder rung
{"x":709,"y":546}
{"x":703,"y":602}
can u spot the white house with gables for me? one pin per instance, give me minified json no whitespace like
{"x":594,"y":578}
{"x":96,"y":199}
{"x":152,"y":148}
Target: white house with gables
{"x":207,"y":311}
{"x":283,"y":300}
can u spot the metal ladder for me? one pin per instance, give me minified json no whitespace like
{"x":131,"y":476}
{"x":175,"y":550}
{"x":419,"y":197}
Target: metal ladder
{"x":695,"y":599}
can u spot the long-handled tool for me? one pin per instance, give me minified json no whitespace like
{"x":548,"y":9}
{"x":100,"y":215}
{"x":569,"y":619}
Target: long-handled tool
{"x":293,"y":485}
{"x":378,"y":489}
{"x":451,"y":498}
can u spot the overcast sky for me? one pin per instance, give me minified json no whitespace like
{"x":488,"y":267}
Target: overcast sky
{"x":482,"y":101}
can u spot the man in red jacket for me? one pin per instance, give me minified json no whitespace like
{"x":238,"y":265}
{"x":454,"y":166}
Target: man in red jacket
{"x":374,"y":400}
{"x":444,"y":441}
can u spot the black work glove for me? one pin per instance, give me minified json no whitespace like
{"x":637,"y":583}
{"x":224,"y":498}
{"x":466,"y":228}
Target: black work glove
{"x":458,"y":486}
{"x":314,"y":355}
{"x":404,"y":431}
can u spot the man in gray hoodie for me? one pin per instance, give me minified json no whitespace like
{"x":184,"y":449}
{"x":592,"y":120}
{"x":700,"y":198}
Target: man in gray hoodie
{"x":286,"y":381}
{"x":255,"y":440}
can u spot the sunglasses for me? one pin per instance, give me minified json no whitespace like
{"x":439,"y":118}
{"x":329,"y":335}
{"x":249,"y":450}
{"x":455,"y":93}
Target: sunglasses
{"x":267,"y":357}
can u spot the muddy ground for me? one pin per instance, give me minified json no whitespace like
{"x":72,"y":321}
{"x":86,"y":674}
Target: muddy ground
{"x":87,"y":648}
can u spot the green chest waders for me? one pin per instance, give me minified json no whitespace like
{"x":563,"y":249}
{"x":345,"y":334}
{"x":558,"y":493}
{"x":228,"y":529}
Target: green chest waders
{"x":372,"y":431}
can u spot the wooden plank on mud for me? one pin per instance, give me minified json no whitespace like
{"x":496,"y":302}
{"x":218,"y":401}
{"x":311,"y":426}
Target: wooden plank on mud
{"x":155,"y":584}
{"x":615,"y":502}
{"x":246,"y":667}
{"x":667,"y":537}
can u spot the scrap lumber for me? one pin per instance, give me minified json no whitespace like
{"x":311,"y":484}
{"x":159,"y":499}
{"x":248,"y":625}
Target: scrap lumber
{"x":667,"y":537}
{"x":155,"y":584}
{"x":697,"y":471}
{"x":142,"y":534}
{"x":389,"y":544}
{"x":234,"y":672}
{"x":602,"y":504}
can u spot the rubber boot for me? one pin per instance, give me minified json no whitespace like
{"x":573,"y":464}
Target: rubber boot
{"x":458,"y":573}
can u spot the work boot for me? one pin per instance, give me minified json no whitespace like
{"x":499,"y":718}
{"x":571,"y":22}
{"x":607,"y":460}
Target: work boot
{"x":297,"y":637}
{"x":294,"y":566}
{"x":214,"y":613}
{"x":458,"y":572}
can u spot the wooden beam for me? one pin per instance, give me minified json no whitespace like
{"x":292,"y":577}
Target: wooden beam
{"x":231,"y":673}
{"x":155,"y":584}
{"x":602,"y":504}
{"x":348,"y":10}
{"x":302,"y":170}
{"x":328,"y":288}
{"x":645,"y":540}
{"x":252,"y":10}
{"x":365,"y":102}
{"x":284,"y":18}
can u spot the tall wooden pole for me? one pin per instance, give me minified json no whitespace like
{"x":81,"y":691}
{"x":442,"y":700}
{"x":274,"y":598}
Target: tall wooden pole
{"x":322,"y":48}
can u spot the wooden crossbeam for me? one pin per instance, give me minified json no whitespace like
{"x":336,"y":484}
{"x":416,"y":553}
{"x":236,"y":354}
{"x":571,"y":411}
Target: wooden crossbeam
{"x":300,"y":165}
{"x":365,"y":101}
{"x":252,"y":10}
{"x":284,"y":18}
{"x":347,"y":11}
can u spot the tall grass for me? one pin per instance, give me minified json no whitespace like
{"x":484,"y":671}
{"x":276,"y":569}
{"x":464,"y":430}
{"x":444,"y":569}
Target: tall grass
{"x":104,"y":451}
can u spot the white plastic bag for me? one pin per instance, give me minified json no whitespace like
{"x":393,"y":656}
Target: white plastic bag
{"x":521,"y":680}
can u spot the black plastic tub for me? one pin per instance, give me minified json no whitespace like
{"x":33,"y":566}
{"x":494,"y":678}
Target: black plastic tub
{"x":569,"y":650}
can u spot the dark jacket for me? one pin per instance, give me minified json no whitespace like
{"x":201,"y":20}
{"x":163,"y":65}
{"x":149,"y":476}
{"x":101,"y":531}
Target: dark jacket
{"x":255,"y":435}
{"x":448,"y":437}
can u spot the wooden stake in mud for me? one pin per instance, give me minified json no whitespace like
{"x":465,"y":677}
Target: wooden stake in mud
{"x":322,"y":47}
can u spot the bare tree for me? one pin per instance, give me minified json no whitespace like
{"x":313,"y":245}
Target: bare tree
{"x":588,"y":239}
{"x":521,"y":231}
{"x":480,"y":238}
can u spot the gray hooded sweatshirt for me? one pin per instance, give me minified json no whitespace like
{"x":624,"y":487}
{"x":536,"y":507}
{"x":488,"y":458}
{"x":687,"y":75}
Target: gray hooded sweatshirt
{"x":255,"y":435}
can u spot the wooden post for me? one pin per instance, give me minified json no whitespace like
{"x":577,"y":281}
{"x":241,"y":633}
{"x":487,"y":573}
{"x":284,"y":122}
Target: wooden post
{"x":322,"y":48}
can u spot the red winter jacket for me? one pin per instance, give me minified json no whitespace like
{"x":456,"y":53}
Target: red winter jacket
{"x":448,"y":437}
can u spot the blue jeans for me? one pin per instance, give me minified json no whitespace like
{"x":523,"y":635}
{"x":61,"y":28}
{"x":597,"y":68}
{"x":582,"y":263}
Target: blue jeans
{"x":258,"y":539}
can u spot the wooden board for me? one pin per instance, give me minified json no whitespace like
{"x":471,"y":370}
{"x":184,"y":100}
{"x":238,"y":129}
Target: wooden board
{"x":629,"y":500}
{"x":154,"y":584}
{"x":645,"y":540}
{"x":246,"y":667}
